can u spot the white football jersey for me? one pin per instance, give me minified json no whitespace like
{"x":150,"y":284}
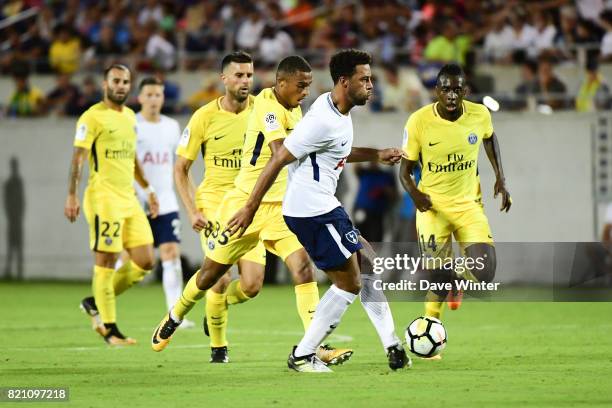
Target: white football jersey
{"x":321,"y":142}
{"x":155,"y":148}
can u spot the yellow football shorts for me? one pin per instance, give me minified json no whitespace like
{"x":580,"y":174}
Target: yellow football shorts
{"x":436,"y":227}
{"x":115,"y":226}
{"x":257,"y":254}
{"x":268,"y":226}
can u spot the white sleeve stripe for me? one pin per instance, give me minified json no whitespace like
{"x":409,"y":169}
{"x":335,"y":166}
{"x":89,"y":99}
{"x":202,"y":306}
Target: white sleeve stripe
{"x":336,"y":236}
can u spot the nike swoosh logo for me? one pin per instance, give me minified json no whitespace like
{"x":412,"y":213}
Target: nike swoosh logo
{"x":433,"y":144}
{"x":288,"y":130}
{"x":219,"y":137}
{"x":342,"y":144}
{"x":155,"y":336}
{"x":113,"y":131}
{"x":311,"y":311}
{"x":490,"y":237}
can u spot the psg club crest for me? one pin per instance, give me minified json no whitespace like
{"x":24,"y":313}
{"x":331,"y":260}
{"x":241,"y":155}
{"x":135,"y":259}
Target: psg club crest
{"x":108,"y":241}
{"x":351,"y":236}
{"x":211,"y":244}
{"x":472,"y":138}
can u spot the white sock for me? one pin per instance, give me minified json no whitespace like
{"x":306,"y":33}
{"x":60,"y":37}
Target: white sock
{"x":326,"y":318}
{"x":376,"y":306}
{"x":172,"y":281}
{"x":118,"y":264}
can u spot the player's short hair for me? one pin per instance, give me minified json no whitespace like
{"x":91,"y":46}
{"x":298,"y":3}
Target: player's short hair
{"x":149,"y":81}
{"x":344,"y":62}
{"x":239,"y":57}
{"x":292,"y":64}
{"x":116,"y":66}
{"x":450,"y":70}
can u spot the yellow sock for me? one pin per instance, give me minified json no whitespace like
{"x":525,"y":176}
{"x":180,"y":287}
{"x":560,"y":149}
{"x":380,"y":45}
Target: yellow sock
{"x":216,"y":318}
{"x":127,"y":276}
{"x":235,"y":294}
{"x":307,"y":299}
{"x":191,"y":294}
{"x":433,"y":305}
{"x":102,"y":287}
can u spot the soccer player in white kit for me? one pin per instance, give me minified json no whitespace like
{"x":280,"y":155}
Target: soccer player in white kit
{"x":158,"y":137}
{"x":316,"y":151}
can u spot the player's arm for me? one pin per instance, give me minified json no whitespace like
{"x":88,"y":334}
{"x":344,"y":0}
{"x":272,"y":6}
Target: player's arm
{"x":281,"y":157}
{"x":186,"y":190}
{"x":492,"y":148}
{"x":388,"y":156}
{"x":142,"y":181}
{"x":421,"y":200}
{"x":72,"y":206}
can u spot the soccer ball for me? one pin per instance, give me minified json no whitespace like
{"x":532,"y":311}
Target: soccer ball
{"x":426,"y":336}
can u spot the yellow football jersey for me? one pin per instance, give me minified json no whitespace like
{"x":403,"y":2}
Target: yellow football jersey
{"x":110,"y":137}
{"x":448,"y":151}
{"x":269,"y":121}
{"x":219,"y":135}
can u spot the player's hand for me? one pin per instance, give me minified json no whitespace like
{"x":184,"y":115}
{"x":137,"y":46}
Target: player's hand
{"x":500,"y":188}
{"x":240,"y":221}
{"x":198,"y":221}
{"x":153,"y":205}
{"x":422,"y":201}
{"x":72,"y":207}
{"x":390,"y":156}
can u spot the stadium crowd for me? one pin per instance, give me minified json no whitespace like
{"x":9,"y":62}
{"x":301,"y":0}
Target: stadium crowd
{"x":83,"y":36}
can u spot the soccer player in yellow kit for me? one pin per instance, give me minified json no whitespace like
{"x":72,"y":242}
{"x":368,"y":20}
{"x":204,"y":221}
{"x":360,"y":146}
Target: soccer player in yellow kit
{"x":445,"y":137}
{"x":266,"y":121}
{"x":106,"y":134}
{"x":217,"y":130}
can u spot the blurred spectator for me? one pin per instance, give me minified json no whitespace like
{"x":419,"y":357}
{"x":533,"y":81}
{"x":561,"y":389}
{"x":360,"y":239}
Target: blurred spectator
{"x":208,"y":38}
{"x":524,"y":34}
{"x":546,"y":33}
{"x":90,"y":94}
{"x":98,"y":56}
{"x":249,"y":31}
{"x":152,"y":11}
{"x":274,"y":45}
{"x":594,"y":93}
{"x":201,"y":97}
{"x":527,"y":88}
{"x":551,"y":91}
{"x":346,"y":28}
{"x":301,"y":22}
{"x":499,"y":42}
{"x":376,"y":194}
{"x":65,"y":51}
{"x":606,"y":41}
{"x":161,"y":52}
{"x":25,"y":100}
{"x":448,"y":46}
{"x":65,"y":97}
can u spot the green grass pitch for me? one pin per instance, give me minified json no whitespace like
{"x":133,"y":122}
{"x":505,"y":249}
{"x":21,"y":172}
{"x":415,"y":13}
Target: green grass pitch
{"x":498,"y":355}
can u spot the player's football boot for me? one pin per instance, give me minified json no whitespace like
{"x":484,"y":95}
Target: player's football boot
{"x":333,"y":356}
{"x":454,"y":299}
{"x":398,"y":358}
{"x":163,"y":333}
{"x":307,"y":364}
{"x":219,"y":355}
{"x":88,"y":306}
{"x":113,"y":336}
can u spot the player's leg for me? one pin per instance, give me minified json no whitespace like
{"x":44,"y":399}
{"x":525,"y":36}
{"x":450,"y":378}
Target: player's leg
{"x":476,"y":240}
{"x":106,"y":242}
{"x":227,"y":292}
{"x":377,"y":308}
{"x":345,"y":288}
{"x":435,"y":244}
{"x":138,"y":242}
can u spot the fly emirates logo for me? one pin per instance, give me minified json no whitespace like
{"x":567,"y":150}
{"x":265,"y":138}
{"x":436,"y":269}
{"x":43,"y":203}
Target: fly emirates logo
{"x":125,"y":152}
{"x":455,"y":163}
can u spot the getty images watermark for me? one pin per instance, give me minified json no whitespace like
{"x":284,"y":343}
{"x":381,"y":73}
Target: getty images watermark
{"x":460,"y":268}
